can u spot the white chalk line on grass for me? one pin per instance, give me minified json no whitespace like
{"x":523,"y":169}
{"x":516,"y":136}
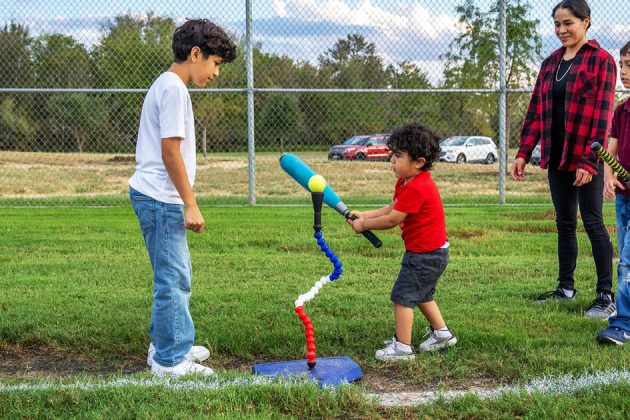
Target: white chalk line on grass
{"x":566,"y":384}
{"x":154,"y":382}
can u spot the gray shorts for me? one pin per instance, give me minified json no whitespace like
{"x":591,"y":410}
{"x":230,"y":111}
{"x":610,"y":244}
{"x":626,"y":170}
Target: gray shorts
{"x":418,"y":276}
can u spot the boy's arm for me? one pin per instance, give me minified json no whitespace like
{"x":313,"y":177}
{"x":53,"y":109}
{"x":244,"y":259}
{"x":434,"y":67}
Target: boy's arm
{"x":610,"y":179}
{"x":373,"y":213}
{"x":386,"y":221}
{"x":174,"y":164}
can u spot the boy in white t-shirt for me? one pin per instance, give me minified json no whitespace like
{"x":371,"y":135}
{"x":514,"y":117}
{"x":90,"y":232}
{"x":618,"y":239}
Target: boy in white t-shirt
{"x":162,"y":196}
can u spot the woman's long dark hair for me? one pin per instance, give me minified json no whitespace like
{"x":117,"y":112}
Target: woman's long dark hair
{"x":579,"y":8}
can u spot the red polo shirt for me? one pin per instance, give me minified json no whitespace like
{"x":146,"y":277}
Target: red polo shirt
{"x":424,"y":228}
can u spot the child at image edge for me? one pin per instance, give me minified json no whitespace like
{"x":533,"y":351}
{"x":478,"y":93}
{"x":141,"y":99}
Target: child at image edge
{"x":417,"y":208}
{"x":162,"y":196}
{"x":618,"y":330}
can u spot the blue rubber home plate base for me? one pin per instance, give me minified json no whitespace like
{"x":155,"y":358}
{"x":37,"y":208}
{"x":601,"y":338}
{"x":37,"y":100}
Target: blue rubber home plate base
{"x":328,"y":371}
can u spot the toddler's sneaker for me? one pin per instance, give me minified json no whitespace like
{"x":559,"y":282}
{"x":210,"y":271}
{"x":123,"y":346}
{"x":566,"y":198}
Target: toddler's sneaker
{"x":184,"y":368}
{"x":558,"y":295}
{"x":196,"y":354}
{"x":395,"y":350}
{"x":612,"y":335}
{"x":602,"y":307}
{"x":438,"y":339}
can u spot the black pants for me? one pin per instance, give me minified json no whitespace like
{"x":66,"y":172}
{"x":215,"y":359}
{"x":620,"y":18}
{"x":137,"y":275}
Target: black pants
{"x":566,"y":199}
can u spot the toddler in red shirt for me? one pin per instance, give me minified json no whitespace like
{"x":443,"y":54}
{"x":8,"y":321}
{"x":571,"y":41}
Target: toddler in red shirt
{"x":417,"y":208}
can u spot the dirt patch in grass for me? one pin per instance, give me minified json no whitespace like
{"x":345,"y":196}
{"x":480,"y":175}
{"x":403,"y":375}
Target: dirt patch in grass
{"x":467,"y":233}
{"x":122,"y":159}
{"x":378,"y":380}
{"x":531,"y":229}
{"x":33,"y":361}
{"x":547,"y":215}
{"x":37,"y":361}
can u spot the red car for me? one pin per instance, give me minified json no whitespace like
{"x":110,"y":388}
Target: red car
{"x":372,"y":146}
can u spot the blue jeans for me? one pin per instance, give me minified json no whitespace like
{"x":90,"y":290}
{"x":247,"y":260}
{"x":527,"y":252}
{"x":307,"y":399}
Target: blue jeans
{"x":171,"y":329}
{"x":622,"y":319}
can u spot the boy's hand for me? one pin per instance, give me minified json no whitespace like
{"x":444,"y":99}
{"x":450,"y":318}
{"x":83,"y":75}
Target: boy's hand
{"x":609,"y":186}
{"x":194,"y":219}
{"x":357,"y":214}
{"x":357,"y":225}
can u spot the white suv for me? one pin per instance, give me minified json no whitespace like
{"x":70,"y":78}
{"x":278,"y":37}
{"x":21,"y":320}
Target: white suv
{"x":462,"y":149}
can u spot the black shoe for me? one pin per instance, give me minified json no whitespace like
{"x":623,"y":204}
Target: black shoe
{"x":558,"y":295}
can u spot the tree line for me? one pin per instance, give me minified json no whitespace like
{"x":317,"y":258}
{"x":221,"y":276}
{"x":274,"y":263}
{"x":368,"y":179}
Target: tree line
{"x":134,"y":51}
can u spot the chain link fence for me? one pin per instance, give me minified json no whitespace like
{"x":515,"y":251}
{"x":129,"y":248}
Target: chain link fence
{"x":329,"y":80}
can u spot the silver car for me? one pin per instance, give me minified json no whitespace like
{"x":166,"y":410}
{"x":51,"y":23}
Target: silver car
{"x":462,"y":149}
{"x":535,"y":159}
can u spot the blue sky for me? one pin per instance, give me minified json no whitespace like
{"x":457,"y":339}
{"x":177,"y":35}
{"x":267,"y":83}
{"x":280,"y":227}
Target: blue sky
{"x":418,"y":31}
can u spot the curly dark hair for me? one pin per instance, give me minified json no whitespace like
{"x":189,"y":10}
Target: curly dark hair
{"x":210,"y":38}
{"x":417,"y":140}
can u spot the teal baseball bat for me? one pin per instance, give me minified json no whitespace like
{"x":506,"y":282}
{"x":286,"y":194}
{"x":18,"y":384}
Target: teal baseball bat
{"x":301,"y":173}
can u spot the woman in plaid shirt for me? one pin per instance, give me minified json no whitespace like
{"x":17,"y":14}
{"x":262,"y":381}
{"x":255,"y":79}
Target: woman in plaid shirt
{"x":570,"y":108}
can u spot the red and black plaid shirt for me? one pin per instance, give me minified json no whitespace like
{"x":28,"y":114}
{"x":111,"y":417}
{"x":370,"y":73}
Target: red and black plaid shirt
{"x":588,"y":108}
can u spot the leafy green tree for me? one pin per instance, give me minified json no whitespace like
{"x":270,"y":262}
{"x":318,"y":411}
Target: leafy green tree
{"x":221,"y":121}
{"x":411,"y":107}
{"x":76,"y":118}
{"x":61,"y":62}
{"x":15,"y":50}
{"x":473,"y":59}
{"x":352,"y":63}
{"x":278,"y":121}
{"x":132,"y":53}
{"x":16,"y":128}
{"x":135,"y":51}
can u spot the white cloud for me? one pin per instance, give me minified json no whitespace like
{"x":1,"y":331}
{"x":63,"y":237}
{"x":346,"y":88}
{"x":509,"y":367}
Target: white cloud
{"x":620,"y":29}
{"x":414,"y":19}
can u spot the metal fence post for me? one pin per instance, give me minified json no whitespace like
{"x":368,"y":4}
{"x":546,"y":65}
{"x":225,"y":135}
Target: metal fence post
{"x":249,"y":62}
{"x":502,"y":100}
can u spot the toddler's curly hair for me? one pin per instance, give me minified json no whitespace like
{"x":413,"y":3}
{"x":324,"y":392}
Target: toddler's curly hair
{"x":417,"y":140}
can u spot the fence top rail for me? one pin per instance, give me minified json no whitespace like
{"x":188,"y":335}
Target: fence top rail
{"x":278,"y":90}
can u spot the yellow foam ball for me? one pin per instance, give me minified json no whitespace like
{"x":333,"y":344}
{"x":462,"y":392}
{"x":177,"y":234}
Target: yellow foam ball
{"x":317,"y":183}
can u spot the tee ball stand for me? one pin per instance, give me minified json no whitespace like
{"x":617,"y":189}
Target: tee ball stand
{"x":327,"y":371}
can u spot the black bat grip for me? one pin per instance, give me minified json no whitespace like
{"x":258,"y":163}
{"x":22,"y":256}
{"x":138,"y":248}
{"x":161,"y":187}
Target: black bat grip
{"x":368,"y":234}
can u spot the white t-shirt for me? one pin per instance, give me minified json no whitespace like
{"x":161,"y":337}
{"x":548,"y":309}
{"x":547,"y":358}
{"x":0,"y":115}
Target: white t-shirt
{"x":166,"y":112}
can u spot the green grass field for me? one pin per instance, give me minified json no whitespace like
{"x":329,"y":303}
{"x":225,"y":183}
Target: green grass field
{"x":76,"y":295}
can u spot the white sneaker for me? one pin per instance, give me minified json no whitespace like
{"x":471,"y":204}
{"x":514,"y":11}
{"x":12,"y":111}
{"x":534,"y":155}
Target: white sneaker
{"x":395,"y":350}
{"x":196,"y":354}
{"x":438,"y":339}
{"x":184,"y":368}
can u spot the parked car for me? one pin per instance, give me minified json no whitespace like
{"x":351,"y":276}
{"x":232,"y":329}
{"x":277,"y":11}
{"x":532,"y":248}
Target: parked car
{"x":372,"y":146}
{"x":462,"y":149}
{"x":535,"y":158}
